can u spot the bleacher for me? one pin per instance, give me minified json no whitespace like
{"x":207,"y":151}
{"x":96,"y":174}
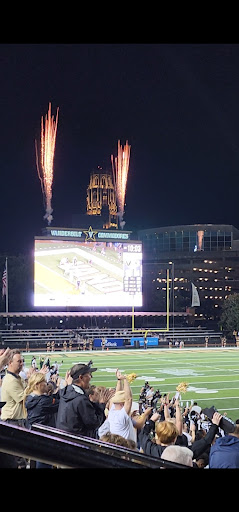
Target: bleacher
{"x":37,"y":339}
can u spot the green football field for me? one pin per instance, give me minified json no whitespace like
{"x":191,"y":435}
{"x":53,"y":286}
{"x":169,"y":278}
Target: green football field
{"x":212,"y":374}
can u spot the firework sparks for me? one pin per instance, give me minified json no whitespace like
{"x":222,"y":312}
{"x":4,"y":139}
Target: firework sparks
{"x":200,"y":239}
{"x":120,"y":168}
{"x":45,"y":170}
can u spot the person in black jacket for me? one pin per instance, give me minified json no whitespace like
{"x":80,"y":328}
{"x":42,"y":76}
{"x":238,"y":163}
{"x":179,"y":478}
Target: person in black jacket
{"x":76,"y":413}
{"x":41,"y":407}
{"x":155,"y":449}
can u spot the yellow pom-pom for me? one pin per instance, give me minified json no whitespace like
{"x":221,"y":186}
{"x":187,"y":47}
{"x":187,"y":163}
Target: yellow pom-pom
{"x":182,"y":387}
{"x":131,"y":377}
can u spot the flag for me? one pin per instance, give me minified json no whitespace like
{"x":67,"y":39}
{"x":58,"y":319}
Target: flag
{"x":4,"y":281}
{"x":195,"y":296}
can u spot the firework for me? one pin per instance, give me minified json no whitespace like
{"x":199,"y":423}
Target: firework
{"x":120,"y":168}
{"x":45,"y":169}
{"x":200,"y":239}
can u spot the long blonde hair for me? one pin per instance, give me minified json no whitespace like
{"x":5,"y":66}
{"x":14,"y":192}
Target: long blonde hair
{"x":34,"y":380}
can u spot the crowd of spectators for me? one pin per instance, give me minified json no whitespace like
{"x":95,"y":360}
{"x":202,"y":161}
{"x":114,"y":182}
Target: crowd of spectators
{"x":155,"y":425}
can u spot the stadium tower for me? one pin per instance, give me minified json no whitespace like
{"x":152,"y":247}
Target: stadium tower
{"x":101,"y":198}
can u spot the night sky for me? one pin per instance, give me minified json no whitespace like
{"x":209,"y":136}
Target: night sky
{"x":176,"y":104}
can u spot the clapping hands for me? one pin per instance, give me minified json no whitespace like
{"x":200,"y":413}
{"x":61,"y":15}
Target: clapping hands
{"x":4,"y":357}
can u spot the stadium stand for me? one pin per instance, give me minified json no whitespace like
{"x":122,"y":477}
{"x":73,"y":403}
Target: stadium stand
{"x":37,"y":339}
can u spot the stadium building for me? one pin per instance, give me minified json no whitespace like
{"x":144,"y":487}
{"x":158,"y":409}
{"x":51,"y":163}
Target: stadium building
{"x":206,"y":255}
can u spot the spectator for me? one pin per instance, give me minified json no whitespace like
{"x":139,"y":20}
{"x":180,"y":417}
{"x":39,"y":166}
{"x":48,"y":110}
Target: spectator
{"x":93,"y":393}
{"x":225,"y":451}
{"x":13,"y":387}
{"x":34,"y":362}
{"x":204,"y":444}
{"x":25,"y":372}
{"x":119,"y":418}
{"x":6,"y":461}
{"x":118,"y":440}
{"x":133,"y":422}
{"x":187,"y":433}
{"x":178,"y":419}
{"x":40,"y":406}
{"x":166,"y":434}
{"x":179,"y":454}
{"x":203,"y":460}
{"x":76,"y":413}
{"x":13,"y":391}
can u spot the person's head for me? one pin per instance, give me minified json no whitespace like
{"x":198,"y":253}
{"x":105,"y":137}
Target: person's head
{"x":166,"y":432}
{"x":236,"y":431}
{"x":118,"y":440}
{"x":179,"y":454}
{"x":200,"y":434}
{"x":51,"y":387}
{"x":36,"y":384}
{"x":15,"y":363}
{"x":81,"y":375}
{"x":203,"y":460}
{"x":94,"y":392}
{"x":118,"y":399}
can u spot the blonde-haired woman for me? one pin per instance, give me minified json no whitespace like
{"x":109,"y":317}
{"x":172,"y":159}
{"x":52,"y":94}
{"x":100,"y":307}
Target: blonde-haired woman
{"x":166,"y":434}
{"x":40,"y":406}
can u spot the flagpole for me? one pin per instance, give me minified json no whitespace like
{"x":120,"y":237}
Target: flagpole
{"x":7,"y":292}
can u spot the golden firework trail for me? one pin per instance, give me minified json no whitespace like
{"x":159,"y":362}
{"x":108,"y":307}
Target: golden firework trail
{"x":45,"y":170}
{"x":120,"y":168}
{"x":200,"y":239}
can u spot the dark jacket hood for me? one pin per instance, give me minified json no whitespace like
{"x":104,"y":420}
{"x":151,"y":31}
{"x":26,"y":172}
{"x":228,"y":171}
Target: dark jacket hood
{"x":32,"y":401}
{"x":70,"y":392}
{"x":227,"y":441}
{"x":224,"y":453}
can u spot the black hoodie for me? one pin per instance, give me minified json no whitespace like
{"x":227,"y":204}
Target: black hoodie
{"x":77,"y":414}
{"x":42,"y":409}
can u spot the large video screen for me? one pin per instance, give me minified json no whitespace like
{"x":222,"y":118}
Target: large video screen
{"x":85,"y":274}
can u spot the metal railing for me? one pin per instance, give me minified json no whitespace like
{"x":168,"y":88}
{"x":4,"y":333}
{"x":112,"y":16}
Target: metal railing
{"x":64,"y":450}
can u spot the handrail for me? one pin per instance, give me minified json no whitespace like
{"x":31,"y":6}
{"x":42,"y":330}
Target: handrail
{"x":64,"y":450}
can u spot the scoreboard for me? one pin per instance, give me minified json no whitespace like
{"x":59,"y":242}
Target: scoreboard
{"x":87,"y":271}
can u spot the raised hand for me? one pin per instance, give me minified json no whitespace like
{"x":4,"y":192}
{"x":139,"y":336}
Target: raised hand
{"x":4,"y":357}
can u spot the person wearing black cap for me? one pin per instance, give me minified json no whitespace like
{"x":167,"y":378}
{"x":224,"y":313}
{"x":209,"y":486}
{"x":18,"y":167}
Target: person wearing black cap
{"x":76,"y":413}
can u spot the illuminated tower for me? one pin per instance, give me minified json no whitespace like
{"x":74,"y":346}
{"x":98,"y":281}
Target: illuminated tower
{"x":101,"y":198}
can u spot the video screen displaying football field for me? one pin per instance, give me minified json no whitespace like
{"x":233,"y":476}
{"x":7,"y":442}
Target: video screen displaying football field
{"x":70,"y":273}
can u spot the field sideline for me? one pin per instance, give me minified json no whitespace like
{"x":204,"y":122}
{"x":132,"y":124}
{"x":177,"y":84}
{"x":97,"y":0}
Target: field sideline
{"x":212,"y":374}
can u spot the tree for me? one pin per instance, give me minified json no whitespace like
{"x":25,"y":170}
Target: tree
{"x":230,"y":314}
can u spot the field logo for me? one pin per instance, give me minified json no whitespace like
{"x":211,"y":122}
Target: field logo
{"x":202,"y":390}
{"x":180,"y":372}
